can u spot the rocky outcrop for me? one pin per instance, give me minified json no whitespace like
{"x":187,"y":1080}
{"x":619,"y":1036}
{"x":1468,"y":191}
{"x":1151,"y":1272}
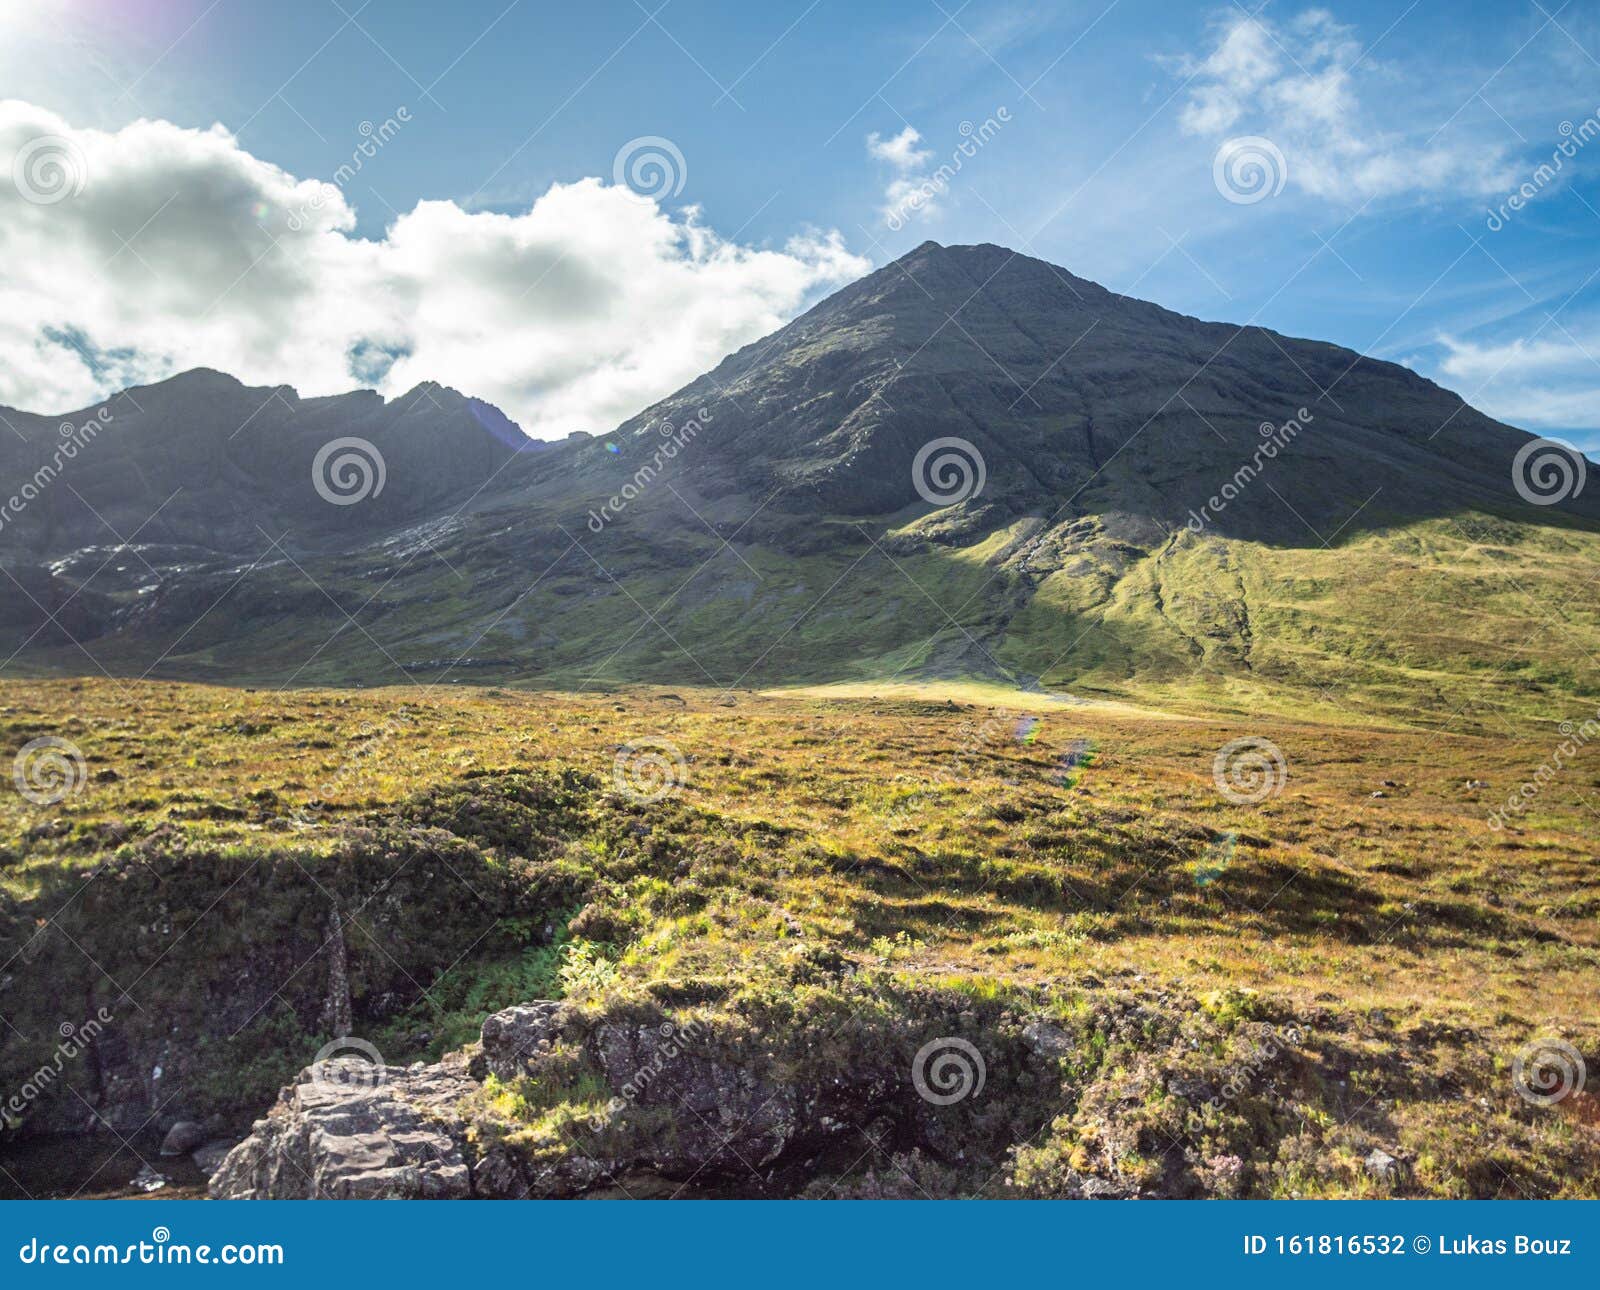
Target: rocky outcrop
{"x":863,"y":1088}
{"x":867,"y":1090}
{"x":650,"y":1104}
{"x":336,"y":1014}
{"x":349,"y":1130}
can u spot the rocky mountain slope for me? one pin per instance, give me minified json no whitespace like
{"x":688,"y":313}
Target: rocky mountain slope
{"x":203,"y":463}
{"x":1179,"y":512}
{"x":1080,"y":401}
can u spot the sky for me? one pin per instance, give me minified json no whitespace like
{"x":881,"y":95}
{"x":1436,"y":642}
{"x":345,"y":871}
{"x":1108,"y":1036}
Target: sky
{"x":573,"y":210}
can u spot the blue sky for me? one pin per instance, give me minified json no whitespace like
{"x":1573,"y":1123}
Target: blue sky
{"x":1392,"y":138}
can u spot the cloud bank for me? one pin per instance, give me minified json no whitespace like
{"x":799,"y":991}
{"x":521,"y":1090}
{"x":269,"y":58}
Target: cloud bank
{"x":133,"y":254}
{"x":1548,"y":382}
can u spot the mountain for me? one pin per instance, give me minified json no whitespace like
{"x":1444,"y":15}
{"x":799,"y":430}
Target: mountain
{"x":1077,"y":399}
{"x":1181,"y":513}
{"x":201,"y":460}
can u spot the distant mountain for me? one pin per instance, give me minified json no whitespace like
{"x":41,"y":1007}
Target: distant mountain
{"x":201,"y":460}
{"x":1175,"y":511}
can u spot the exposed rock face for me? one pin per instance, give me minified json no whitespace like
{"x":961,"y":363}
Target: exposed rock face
{"x":367,"y":1137}
{"x":686,"y":1103}
{"x":336,"y":1015}
{"x":875,"y":1094}
{"x":858,"y":1093}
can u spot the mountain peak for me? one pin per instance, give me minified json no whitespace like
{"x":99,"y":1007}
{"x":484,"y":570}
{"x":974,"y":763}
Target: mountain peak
{"x":960,"y":271}
{"x":1079,"y":401}
{"x":195,"y":379}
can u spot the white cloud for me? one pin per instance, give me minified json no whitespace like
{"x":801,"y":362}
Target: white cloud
{"x":1297,"y":83}
{"x":1241,"y":63}
{"x":1524,"y":358}
{"x":912,"y":193}
{"x":181,"y":249}
{"x":901,"y":151}
{"x":1544,"y":382}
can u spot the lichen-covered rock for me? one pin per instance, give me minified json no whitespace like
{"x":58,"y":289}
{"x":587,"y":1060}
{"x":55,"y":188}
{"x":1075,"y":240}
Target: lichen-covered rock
{"x":514,"y":1039}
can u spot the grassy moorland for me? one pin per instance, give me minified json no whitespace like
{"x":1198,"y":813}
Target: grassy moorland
{"x":968,"y":859}
{"x":1465,"y":623}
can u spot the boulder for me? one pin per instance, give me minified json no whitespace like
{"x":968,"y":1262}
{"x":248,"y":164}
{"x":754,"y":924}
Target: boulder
{"x":182,"y":1138}
{"x":514,"y":1039}
{"x":211,"y":1154}
{"x":1385,"y":1168}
